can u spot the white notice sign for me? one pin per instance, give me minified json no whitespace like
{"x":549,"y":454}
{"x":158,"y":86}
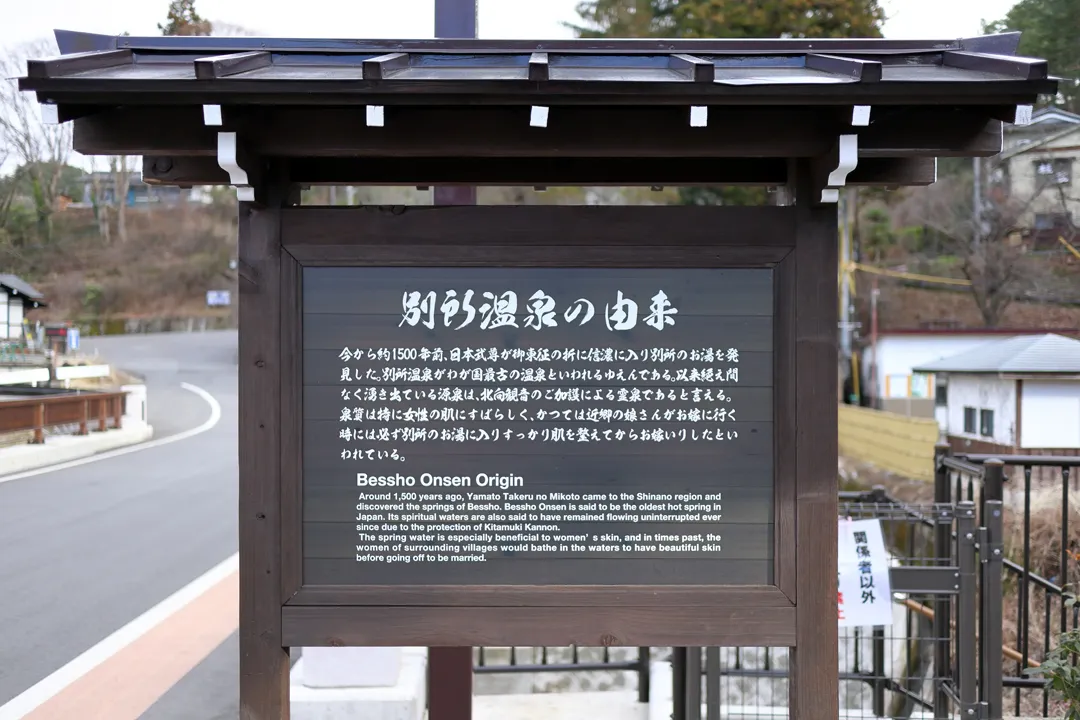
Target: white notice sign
{"x":864,"y":595}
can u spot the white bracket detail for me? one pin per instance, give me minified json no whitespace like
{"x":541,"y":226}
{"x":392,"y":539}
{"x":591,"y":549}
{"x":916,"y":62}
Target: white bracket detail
{"x":211,"y":115}
{"x":699,"y":116}
{"x":538,"y":116}
{"x":1023,"y":115}
{"x":860,"y":116}
{"x":227,"y":151}
{"x":847,"y":149}
{"x":376,"y":116}
{"x":50,"y":114}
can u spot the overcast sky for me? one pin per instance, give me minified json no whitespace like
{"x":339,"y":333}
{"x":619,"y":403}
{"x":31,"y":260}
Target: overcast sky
{"x":27,"y":20}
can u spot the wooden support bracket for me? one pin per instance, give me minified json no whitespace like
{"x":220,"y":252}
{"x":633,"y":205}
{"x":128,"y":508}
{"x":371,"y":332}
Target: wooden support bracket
{"x":240,"y":166}
{"x":834,"y":168}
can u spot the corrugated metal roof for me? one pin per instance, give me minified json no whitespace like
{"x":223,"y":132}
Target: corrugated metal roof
{"x":1046,"y":353}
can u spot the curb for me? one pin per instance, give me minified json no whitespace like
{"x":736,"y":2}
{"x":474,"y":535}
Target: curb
{"x":65,"y":448}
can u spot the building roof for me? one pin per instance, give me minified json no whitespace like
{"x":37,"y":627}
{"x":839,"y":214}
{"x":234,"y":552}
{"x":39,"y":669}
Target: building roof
{"x":17,"y":285}
{"x":739,"y":71}
{"x":1051,"y":114}
{"x":1046,"y":353}
{"x":1053,"y":136}
{"x":466,"y":111}
{"x":968,"y":331}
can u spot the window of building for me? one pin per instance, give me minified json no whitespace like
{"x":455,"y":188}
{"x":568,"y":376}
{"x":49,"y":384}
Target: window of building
{"x":1054,"y":171}
{"x":986,"y":423}
{"x":941,"y":395}
{"x":969,"y":420}
{"x":1051,"y":221}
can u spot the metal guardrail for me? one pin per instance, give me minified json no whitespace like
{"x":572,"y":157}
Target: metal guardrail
{"x":1036,"y":623}
{"x":77,"y":410}
{"x":955,"y":572}
{"x":925,"y":664}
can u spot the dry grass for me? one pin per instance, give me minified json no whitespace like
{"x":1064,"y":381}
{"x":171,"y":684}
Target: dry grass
{"x":171,"y":258}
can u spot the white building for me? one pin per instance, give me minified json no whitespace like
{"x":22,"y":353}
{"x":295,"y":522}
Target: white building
{"x":899,"y":388}
{"x":1012,"y":395}
{"x":1038,"y":168}
{"x":17,"y":296}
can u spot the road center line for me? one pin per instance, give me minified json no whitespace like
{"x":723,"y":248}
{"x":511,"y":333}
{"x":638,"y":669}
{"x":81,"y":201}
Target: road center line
{"x":36,"y":696}
{"x":215,"y":417}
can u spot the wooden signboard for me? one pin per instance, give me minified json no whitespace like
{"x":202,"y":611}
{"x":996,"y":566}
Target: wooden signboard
{"x":537,"y":426}
{"x":540,"y":425}
{"x":466,"y":426}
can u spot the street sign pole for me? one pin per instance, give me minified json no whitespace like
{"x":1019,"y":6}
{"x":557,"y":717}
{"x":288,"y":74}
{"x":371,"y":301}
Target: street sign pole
{"x":450,"y":673}
{"x":455,"y":19}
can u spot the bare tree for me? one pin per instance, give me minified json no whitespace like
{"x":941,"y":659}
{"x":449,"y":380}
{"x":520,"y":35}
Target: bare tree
{"x":992,"y":247}
{"x":99,"y":201}
{"x":984,"y":246}
{"x":41,"y":150}
{"x":120,"y":167}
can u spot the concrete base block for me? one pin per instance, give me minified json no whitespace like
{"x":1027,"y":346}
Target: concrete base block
{"x":405,"y":700}
{"x":351,"y":667}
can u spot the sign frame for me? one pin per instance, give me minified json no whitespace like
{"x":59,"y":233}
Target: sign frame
{"x":276,"y":244}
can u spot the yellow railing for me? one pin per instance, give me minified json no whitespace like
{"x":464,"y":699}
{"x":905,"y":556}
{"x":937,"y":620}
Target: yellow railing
{"x":897,"y":443}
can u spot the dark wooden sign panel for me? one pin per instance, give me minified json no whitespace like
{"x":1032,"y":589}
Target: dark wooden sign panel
{"x":537,"y":426}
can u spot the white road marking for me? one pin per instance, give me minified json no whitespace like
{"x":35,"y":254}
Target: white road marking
{"x":54,"y":684}
{"x":215,"y":416}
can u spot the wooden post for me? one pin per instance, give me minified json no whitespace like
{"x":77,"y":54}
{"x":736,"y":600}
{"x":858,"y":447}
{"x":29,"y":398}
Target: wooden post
{"x":39,"y":423}
{"x":264,"y":662}
{"x":815,"y":661}
{"x":118,"y":411}
{"x":450,"y":673}
{"x":83,"y":424}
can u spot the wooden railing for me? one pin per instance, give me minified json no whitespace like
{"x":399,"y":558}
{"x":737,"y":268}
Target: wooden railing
{"x":52,"y":411}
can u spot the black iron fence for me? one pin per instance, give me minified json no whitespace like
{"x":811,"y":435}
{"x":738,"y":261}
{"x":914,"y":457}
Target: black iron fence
{"x":1041,"y":550}
{"x":978,"y":579}
{"x":925,"y":664}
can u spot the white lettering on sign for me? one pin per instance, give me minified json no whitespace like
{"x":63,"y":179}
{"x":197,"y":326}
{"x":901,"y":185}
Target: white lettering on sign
{"x":496,"y":310}
{"x":483,"y":394}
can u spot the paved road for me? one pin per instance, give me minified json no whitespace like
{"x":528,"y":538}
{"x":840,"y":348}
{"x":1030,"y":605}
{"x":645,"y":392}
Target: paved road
{"x":85,"y":550}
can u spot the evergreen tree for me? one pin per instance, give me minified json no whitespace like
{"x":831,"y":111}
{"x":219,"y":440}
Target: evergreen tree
{"x":184,"y":20}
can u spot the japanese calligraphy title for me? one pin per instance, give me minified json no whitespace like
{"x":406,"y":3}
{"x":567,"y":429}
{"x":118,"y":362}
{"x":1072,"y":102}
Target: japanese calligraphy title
{"x":497,"y":310}
{"x":866,"y":567}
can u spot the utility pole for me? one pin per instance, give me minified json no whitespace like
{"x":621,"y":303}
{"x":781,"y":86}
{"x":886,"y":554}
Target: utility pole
{"x":976,"y":204}
{"x":450,"y":670}
{"x":455,"y":19}
{"x":845,"y":263}
{"x":876,"y":397}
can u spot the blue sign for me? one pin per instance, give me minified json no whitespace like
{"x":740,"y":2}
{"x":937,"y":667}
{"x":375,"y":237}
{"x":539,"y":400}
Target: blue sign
{"x":215,"y":298}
